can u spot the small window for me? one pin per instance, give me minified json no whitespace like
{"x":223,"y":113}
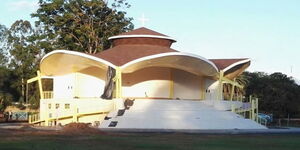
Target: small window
{"x":49,"y":106}
{"x":56,"y":106}
{"x":67,"y":106}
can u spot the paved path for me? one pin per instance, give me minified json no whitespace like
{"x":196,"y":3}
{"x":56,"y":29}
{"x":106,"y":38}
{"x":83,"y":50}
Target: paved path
{"x":290,"y":130}
{"x":192,"y":131}
{"x":24,"y":125}
{"x":12,"y":125}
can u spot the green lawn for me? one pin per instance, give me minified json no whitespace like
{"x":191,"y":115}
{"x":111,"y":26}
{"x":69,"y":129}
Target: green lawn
{"x":149,"y":142}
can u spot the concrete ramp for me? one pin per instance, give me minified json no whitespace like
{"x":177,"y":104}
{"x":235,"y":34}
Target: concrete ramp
{"x":177,"y":114}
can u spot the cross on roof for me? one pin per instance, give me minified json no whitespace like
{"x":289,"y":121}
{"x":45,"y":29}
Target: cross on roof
{"x":143,"y":20}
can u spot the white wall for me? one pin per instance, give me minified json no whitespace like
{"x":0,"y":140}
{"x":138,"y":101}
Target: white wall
{"x":63,"y":86}
{"x":88,"y":86}
{"x":77,"y":85}
{"x":148,"y":82}
{"x":155,"y":82}
{"x":211,"y":89}
{"x":186,"y":85}
{"x":80,"y":91}
{"x":89,"y":105}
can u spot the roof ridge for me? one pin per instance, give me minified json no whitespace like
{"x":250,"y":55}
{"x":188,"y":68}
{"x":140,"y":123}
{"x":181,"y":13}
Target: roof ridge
{"x":143,"y":31}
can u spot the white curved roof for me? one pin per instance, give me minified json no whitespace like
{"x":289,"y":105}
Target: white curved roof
{"x":184,"y":61}
{"x":236,"y":64}
{"x":61,"y":62}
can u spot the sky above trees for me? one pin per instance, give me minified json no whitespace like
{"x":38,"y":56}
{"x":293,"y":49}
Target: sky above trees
{"x":265,"y":31}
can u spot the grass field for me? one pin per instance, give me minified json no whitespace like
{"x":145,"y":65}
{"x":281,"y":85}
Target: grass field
{"x":33,"y":140}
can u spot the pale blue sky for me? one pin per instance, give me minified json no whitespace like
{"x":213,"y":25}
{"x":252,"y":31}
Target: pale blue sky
{"x":267,"y":31}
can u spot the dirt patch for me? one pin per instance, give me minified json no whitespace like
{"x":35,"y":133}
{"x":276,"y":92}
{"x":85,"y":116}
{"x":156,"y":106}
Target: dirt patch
{"x":80,"y":128}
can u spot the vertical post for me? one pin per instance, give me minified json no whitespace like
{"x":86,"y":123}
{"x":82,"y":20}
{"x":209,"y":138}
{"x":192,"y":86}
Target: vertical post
{"x":40,"y":84}
{"x":26,"y":100}
{"x":46,"y":117}
{"x":253,"y":109}
{"x":118,"y":83}
{"x":220,"y":85}
{"x":232,"y":108}
{"x":232,"y":91}
{"x":29,"y":119}
{"x":256,"y":115}
{"x":202,"y":88}
{"x":250,"y":111}
{"x":171,"y":89}
{"x":75,"y":114}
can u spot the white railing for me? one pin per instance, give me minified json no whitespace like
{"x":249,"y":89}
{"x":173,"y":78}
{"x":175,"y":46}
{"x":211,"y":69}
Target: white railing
{"x":33,"y":118}
{"x":48,"y":94}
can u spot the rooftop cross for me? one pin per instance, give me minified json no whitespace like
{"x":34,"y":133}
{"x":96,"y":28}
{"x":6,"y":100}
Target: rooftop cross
{"x":143,"y":20}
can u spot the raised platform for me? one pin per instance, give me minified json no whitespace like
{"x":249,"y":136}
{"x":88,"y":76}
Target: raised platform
{"x":177,"y":114}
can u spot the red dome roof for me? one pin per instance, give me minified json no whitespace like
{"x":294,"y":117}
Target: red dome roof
{"x":143,"y":31}
{"x":136,"y":44}
{"x":122,"y":54}
{"x":142,"y":36}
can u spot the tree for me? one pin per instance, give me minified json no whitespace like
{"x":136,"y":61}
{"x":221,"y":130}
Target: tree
{"x":5,"y":73}
{"x":3,"y":51}
{"x":278,"y":93}
{"x":5,"y":100}
{"x":24,"y":54}
{"x":227,"y":88}
{"x":80,"y":25}
{"x":6,"y":91}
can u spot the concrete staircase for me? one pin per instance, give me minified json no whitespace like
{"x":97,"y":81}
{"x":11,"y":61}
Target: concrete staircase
{"x":176,"y":114}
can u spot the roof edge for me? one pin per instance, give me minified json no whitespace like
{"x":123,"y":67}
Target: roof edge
{"x":169,"y":54}
{"x":79,"y":54}
{"x":236,"y":63}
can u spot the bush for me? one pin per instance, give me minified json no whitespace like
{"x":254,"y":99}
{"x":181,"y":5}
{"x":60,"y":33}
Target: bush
{"x":20,"y":105}
{"x":5,"y":100}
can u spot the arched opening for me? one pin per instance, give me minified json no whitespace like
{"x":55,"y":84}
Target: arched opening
{"x":162,"y":83}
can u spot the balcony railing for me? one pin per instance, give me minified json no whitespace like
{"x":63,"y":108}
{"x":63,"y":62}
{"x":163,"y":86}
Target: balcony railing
{"x":48,"y":94}
{"x":34,"y":118}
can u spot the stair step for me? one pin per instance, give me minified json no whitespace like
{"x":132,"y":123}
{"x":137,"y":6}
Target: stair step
{"x":113,"y":124}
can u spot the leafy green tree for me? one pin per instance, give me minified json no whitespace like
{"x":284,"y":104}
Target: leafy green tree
{"x":5,"y":100}
{"x":80,"y":25}
{"x":278,"y":93}
{"x":3,"y":40}
{"x":5,"y":73}
{"x":24,"y":54}
{"x":6,"y":91}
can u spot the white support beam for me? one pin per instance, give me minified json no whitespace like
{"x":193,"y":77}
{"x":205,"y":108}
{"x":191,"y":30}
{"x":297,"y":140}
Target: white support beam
{"x":33,"y":79}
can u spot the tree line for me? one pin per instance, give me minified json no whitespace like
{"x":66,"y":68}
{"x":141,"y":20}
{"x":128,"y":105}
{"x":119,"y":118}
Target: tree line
{"x":79,"y":25}
{"x":278,"y":94}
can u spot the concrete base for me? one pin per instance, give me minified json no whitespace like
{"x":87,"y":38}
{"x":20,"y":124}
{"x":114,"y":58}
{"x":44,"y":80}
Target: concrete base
{"x":178,"y":115}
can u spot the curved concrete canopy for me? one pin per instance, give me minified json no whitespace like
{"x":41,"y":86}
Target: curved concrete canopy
{"x":178,"y":60}
{"x":236,"y":69}
{"x":236,"y":64}
{"x":60,"y":62}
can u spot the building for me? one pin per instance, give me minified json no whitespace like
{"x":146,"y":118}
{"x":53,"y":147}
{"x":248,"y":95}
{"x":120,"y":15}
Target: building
{"x":140,"y":65}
